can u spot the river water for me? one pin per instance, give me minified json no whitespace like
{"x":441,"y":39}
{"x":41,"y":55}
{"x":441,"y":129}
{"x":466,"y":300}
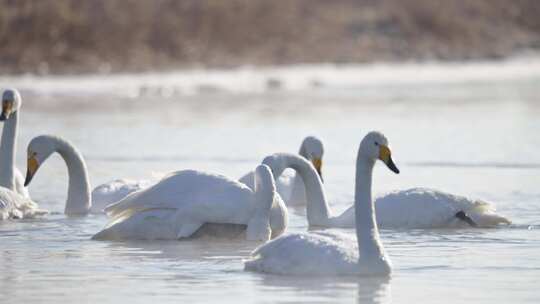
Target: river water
{"x":472,"y":129}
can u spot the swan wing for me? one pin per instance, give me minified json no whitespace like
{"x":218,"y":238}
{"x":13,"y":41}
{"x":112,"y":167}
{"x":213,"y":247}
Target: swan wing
{"x":205,"y":196}
{"x":14,"y":205}
{"x":429,"y":208}
{"x":115,"y":190}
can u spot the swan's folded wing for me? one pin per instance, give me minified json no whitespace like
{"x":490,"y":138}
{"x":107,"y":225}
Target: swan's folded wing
{"x":306,"y":253}
{"x":180,"y":188}
{"x":113,"y":191}
{"x":14,"y":205}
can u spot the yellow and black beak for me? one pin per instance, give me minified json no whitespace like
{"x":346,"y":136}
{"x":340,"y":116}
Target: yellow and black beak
{"x":317,"y":163}
{"x":7,"y":108}
{"x":386,"y":156}
{"x":32,"y":166}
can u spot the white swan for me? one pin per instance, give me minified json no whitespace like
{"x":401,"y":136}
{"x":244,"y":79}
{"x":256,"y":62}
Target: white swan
{"x":10,"y":177}
{"x":16,"y":206}
{"x":79,"y":201}
{"x":184,"y":201}
{"x":413,"y":208}
{"x":113,"y":191}
{"x":291,"y":188}
{"x":334,"y":253}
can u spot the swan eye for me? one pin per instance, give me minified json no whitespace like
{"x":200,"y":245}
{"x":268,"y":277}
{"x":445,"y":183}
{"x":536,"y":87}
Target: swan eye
{"x":376,"y":144}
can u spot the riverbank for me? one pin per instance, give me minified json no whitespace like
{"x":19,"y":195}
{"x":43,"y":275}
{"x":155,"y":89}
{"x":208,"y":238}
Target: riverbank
{"x":104,"y":36}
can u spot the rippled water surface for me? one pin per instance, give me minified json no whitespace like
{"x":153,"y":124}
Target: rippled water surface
{"x":472,"y":129}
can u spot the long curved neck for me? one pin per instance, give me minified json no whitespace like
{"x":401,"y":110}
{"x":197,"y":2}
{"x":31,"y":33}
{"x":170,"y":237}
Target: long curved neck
{"x":7,"y":152}
{"x":366,"y":223}
{"x":317,"y":209}
{"x":298,"y":189}
{"x":79,"y":200}
{"x":264,"y":190}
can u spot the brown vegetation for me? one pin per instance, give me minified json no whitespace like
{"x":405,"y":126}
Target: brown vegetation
{"x":129,"y":35}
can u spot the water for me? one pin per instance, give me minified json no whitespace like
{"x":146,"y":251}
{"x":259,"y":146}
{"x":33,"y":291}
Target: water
{"x":471,"y":129}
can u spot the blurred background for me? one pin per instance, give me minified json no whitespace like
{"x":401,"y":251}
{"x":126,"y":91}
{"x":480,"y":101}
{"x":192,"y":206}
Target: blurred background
{"x":70,"y":36}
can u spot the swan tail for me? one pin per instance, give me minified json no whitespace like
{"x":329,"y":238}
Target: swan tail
{"x":29,"y":209}
{"x":484,"y":215}
{"x":467,"y":219}
{"x":252,"y":265}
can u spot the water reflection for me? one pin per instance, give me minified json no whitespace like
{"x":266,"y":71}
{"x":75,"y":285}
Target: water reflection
{"x":374,"y":290}
{"x":331,"y":288}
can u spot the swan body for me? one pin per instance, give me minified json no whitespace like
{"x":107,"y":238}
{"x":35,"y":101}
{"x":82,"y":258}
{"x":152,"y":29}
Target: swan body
{"x":291,"y":187}
{"x":16,"y":206}
{"x":424,"y":208}
{"x":326,"y":253}
{"x":79,"y":200}
{"x":181,"y":203}
{"x":113,"y":191}
{"x":417,"y":208}
{"x":10,"y":177}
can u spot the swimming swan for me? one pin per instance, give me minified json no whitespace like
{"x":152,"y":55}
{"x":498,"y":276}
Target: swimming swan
{"x":292,"y":188}
{"x":10,"y":177}
{"x":115,"y":190}
{"x":79,"y":200}
{"x":184,"y":201}
{"x":16,"y":206}
{"x":412,"y":208}
{"x":323,"y":253}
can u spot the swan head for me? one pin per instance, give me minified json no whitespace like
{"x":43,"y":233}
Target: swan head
{"x":375,"y":146}
{"x":11,"y":103}
{"x":39,"y":149}
{"x":312,"y":149}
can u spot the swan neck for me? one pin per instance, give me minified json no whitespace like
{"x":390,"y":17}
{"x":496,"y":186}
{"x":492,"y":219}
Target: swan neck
{"x":366,"y":226}
{"x":317,"y":209}
{"x":7,"y":152}
{"x":78,"y":199}
{"x":264,"y":190}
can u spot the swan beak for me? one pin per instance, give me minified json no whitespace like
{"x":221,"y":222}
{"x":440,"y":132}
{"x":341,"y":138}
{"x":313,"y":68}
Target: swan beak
{"x":386,"y":156}
{"x":7,"y":106}
{"x":317,"y":163}
{"x":32,"y":167}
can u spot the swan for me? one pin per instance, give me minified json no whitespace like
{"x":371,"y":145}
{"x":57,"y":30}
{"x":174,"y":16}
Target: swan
{"x":115,"y":190}
{"x":292,"y":188}
{"x":79,"y":200}
{"x":182,"y":203}
{"x":321,"y":253}
{"x":15,"y":206}
{"x":10,"y":177}
{"x":416,"y":208}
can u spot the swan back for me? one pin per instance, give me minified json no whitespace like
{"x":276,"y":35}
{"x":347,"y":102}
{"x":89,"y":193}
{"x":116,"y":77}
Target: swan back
{"x":429,"y":208}
{"x":211,"y":196}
